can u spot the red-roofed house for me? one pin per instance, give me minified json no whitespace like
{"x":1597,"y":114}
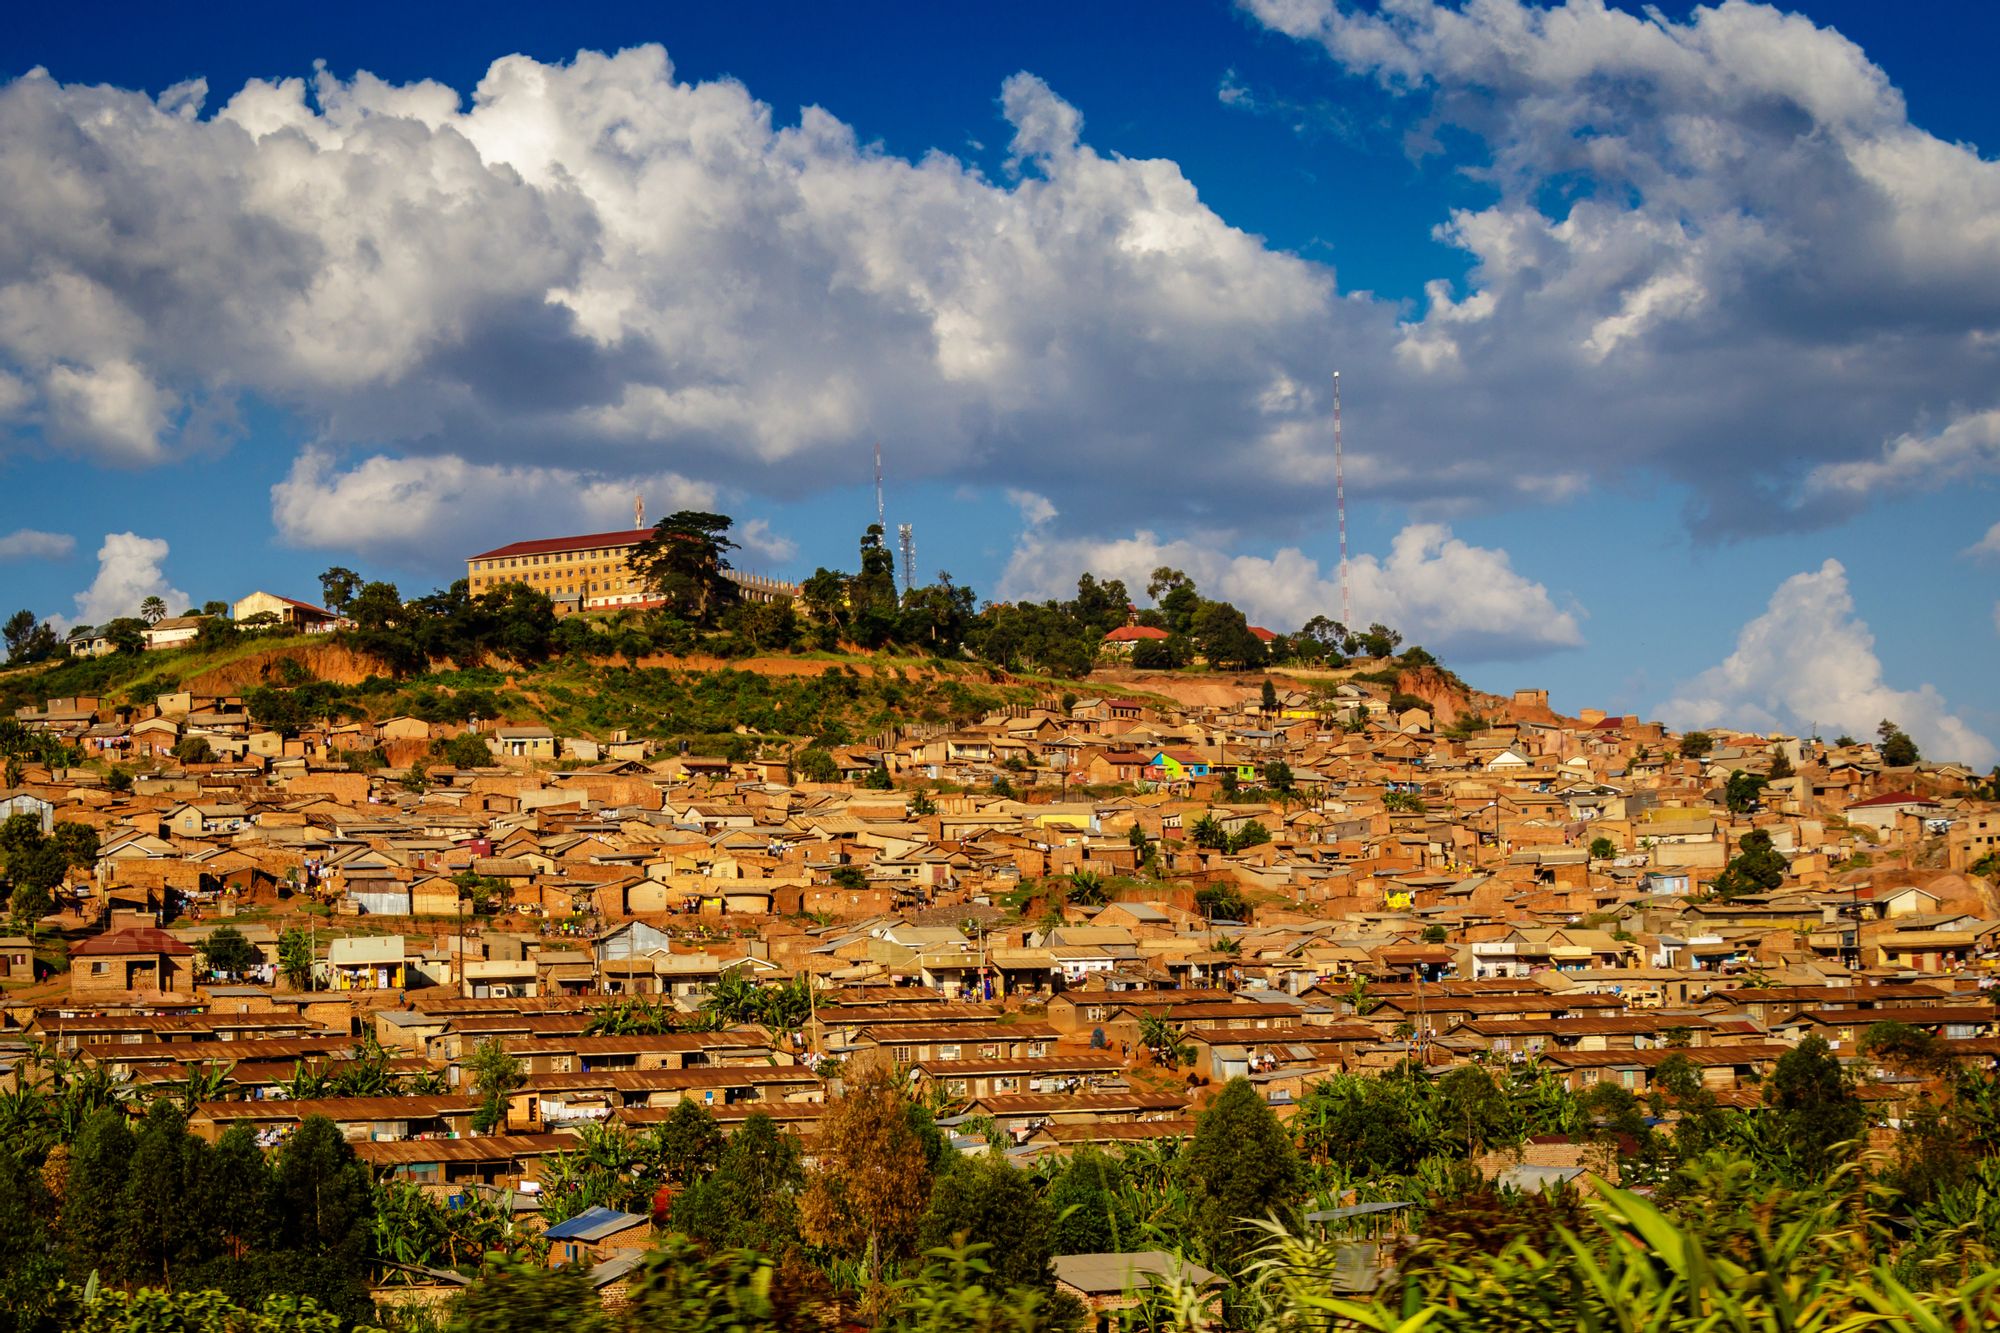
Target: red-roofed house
{"x":1886,"y":811}
{"x":291,"y":613}
{"x":1122,"y":640}
{"x":137,"y":958}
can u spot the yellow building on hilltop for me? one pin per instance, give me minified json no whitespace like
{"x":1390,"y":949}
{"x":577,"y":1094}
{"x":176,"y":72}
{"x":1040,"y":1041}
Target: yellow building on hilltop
{"x":592,"y":572}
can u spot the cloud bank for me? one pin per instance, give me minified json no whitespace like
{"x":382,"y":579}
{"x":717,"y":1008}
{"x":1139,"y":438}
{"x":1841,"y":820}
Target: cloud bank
{"x":1463,"y":600}
{"x":1809,"y":661}
{"x":1699,"y":230}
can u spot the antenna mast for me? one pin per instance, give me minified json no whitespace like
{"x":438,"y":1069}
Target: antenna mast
{"x":906,"y":537}
{"x":1340,"y":502}
{"x":880,"y":521}
{"x":638,"y":511}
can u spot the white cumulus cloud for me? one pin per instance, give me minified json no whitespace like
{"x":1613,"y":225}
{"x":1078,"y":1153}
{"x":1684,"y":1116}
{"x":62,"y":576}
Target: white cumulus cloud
{"x":1458,"y":599}
{"x":129,"y":570}
{"x":1987,"y":547}
{"x":30,"y":544}
{"x":416,"y":507}
{"x":1809,"y":660}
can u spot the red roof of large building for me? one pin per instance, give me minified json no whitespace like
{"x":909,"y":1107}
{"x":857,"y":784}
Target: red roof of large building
{"x":550,"y":545}
{"x":305,"y":606}
{"x":132,"y":939}
{"x":1134,"y":633}
{"x":1264,"y":635}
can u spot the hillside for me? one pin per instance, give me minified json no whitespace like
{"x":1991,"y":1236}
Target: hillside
{"x":699,"y":696}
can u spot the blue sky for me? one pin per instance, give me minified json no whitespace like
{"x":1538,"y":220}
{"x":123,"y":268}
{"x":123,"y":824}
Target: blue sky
{"x":1718,"y":307}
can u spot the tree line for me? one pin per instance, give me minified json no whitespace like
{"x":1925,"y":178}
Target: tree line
{"x":684,"y":564}
{"x":889,"y":1222}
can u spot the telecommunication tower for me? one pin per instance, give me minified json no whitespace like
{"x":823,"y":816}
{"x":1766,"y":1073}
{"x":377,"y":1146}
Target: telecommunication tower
{"x":638,"y":511}
{"x":1340,"y":503}
{"x":880,"y":520}
{"x":906,"y":537}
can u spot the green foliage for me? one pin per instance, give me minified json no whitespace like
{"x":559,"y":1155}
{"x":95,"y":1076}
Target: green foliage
{"x":1221,"y":902}
{"x":1092,"y":1214}
{"x":959,"y":1291}
{"x":816,"y":764}
{"x":1816,"y":1109}
{"x":1240,"y":1165}
{"x":1602,"y":849}
{"x":1895,"y":745}
{"x":516,"y":1296}
{"x":30,"y":640}
{"x":295,"y":958}
{"x":1758,"y":867}
{"x":1167,"y":1041}
{"x":150,"y":1310}
{"x":1696,"y":744}
{"x":1743,"y":792}
{"x":495,"y":1074}
{"x":1251,"y":834}
{"x":194,"y":750}
{"x":751,"y":1198}
{"x":1086,"y":888}
{"x":226,"y":952}
{"x":687,"y":1144}
{"x":468,"y":749}
{"x":990,"y":1202}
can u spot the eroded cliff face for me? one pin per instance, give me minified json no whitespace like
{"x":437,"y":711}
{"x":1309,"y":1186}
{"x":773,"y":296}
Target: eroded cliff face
{"x":329,"y":662}
{"x":1447,"y":699}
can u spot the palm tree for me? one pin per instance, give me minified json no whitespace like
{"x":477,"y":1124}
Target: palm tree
{"x":1087,"y":888}
{"x":152,"y":610}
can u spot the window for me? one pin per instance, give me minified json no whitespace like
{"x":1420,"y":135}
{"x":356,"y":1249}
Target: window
{"x":98,"y":969}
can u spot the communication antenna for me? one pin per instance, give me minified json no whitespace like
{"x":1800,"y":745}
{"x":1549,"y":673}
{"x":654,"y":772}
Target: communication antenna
{"x":906,"y":537}
{"x":880,"y":521}
{"x":1340,"y":502}
{"x":638,"y":511}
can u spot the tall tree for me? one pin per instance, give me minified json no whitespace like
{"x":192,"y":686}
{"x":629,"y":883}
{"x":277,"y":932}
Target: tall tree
{"x":152,"y":610}
{"x":1091,"y":1214}
{"x":29,"y":639}
{"x":687,"y":1144}
{"x":337,"y":588}
{"x":94,"y":1194}
{"x":871,"y":1179}
{"x":1815,"y":1102}
{"x":378,"y":606}
{"x":751,"y":1201}
{"x":685,"y":562}
{"x":1897,"y":749}
{"x":991,"y":1201}
{"x":495,"y":1075}
{"x":1241,"y":1166}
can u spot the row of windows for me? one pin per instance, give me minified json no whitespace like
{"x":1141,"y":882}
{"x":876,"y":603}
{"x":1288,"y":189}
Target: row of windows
{"x":554,"y":558}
